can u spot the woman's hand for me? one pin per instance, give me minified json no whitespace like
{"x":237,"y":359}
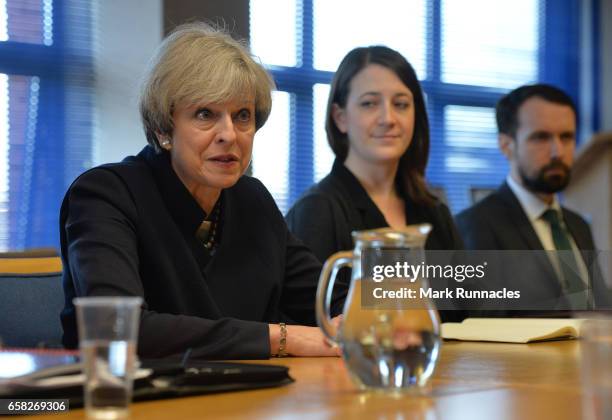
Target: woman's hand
{"x":302,"y":341}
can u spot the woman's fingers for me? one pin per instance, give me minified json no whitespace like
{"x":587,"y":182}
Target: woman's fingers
{"x":336,"y":321}
{"x":308,"y":341}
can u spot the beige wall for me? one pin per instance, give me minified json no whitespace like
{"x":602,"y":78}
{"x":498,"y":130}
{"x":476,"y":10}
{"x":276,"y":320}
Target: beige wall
{"x":126,"y":32}
{"x":590,"y":195}
{"x":606,"y":65}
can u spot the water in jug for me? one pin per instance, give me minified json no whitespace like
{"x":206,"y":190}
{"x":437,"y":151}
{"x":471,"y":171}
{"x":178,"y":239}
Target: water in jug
{"x":387,"y":344}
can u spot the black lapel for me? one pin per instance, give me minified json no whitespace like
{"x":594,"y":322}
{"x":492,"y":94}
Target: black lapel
{"x":584,"y":241}
{"x":519,"y":218}
{"x":582,"y":238}
{"x":362,"y":212}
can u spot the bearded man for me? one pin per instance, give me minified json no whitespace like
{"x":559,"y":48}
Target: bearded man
{"x":537,"y":134}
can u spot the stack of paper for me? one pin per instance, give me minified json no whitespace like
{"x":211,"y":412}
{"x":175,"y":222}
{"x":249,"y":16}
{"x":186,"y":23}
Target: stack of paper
{"x":512,"y":330}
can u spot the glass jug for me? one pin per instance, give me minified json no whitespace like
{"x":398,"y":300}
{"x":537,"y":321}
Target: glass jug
{"x":392,"y":344}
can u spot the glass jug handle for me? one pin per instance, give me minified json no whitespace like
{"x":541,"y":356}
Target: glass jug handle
{"x":326,"y":288}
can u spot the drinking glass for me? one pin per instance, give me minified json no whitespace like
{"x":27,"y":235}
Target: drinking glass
{"x":108,"y":331}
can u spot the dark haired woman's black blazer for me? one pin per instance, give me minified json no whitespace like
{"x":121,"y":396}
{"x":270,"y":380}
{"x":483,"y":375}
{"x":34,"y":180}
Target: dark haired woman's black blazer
{"x":128,"y":229}
{"x":327,"y":213}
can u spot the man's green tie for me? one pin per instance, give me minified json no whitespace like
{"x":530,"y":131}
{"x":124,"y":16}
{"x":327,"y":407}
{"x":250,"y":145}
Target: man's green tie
{"x":571,"y":282}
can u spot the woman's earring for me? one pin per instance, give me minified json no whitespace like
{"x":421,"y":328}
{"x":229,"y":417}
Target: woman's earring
{"x":166,"y":143}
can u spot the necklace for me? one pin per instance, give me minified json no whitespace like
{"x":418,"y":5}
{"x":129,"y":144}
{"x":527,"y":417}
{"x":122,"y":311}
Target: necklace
{"x":207,"y":231}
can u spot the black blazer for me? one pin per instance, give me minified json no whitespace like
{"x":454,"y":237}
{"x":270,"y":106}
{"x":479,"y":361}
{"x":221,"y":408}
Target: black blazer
{"x":129,"y":229}
{"x":328,"y":212}
{"x":498,"y":222}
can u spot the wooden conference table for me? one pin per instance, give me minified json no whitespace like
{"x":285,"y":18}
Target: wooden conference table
{"x":472,"y":381}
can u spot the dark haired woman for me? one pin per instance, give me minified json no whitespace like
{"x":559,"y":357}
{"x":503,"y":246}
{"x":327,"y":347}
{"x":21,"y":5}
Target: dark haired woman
{"x":377,"y":126}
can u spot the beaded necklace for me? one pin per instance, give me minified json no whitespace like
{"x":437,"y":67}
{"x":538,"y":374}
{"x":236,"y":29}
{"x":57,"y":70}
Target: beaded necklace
{"x":207,"y":231}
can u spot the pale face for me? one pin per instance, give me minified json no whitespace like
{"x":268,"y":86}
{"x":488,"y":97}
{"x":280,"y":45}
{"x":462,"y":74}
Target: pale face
{"x":378,"y":117}
{"x":542,"y":154}
{"x":211,"y":143}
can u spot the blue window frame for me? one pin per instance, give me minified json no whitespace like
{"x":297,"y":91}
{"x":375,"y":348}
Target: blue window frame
{"x":464,"y":154}
{"x":46,"y":87}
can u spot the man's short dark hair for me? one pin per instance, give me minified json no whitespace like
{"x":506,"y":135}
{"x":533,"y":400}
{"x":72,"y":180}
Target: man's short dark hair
{"x":506,"y":111}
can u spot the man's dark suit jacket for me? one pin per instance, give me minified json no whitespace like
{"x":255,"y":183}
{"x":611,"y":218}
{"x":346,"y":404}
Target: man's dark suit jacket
{"x":129,"y":229}
{"x":498,"y":222}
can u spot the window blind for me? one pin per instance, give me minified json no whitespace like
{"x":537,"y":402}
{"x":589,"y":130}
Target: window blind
{"x":45,"y":116}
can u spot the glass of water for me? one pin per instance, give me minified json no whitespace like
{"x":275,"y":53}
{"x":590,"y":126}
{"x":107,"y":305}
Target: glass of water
{"x":108,"y":330}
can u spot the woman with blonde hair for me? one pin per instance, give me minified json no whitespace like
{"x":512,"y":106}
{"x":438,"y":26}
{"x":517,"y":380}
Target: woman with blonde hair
{"x":180,"y":224}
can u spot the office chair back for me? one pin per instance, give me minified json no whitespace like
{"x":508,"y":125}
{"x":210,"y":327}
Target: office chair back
{"x":31,"y":298}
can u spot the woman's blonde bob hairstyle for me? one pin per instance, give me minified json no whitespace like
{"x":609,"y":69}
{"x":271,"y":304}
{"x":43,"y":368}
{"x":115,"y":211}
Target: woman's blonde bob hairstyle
{"x":200,"y":63}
